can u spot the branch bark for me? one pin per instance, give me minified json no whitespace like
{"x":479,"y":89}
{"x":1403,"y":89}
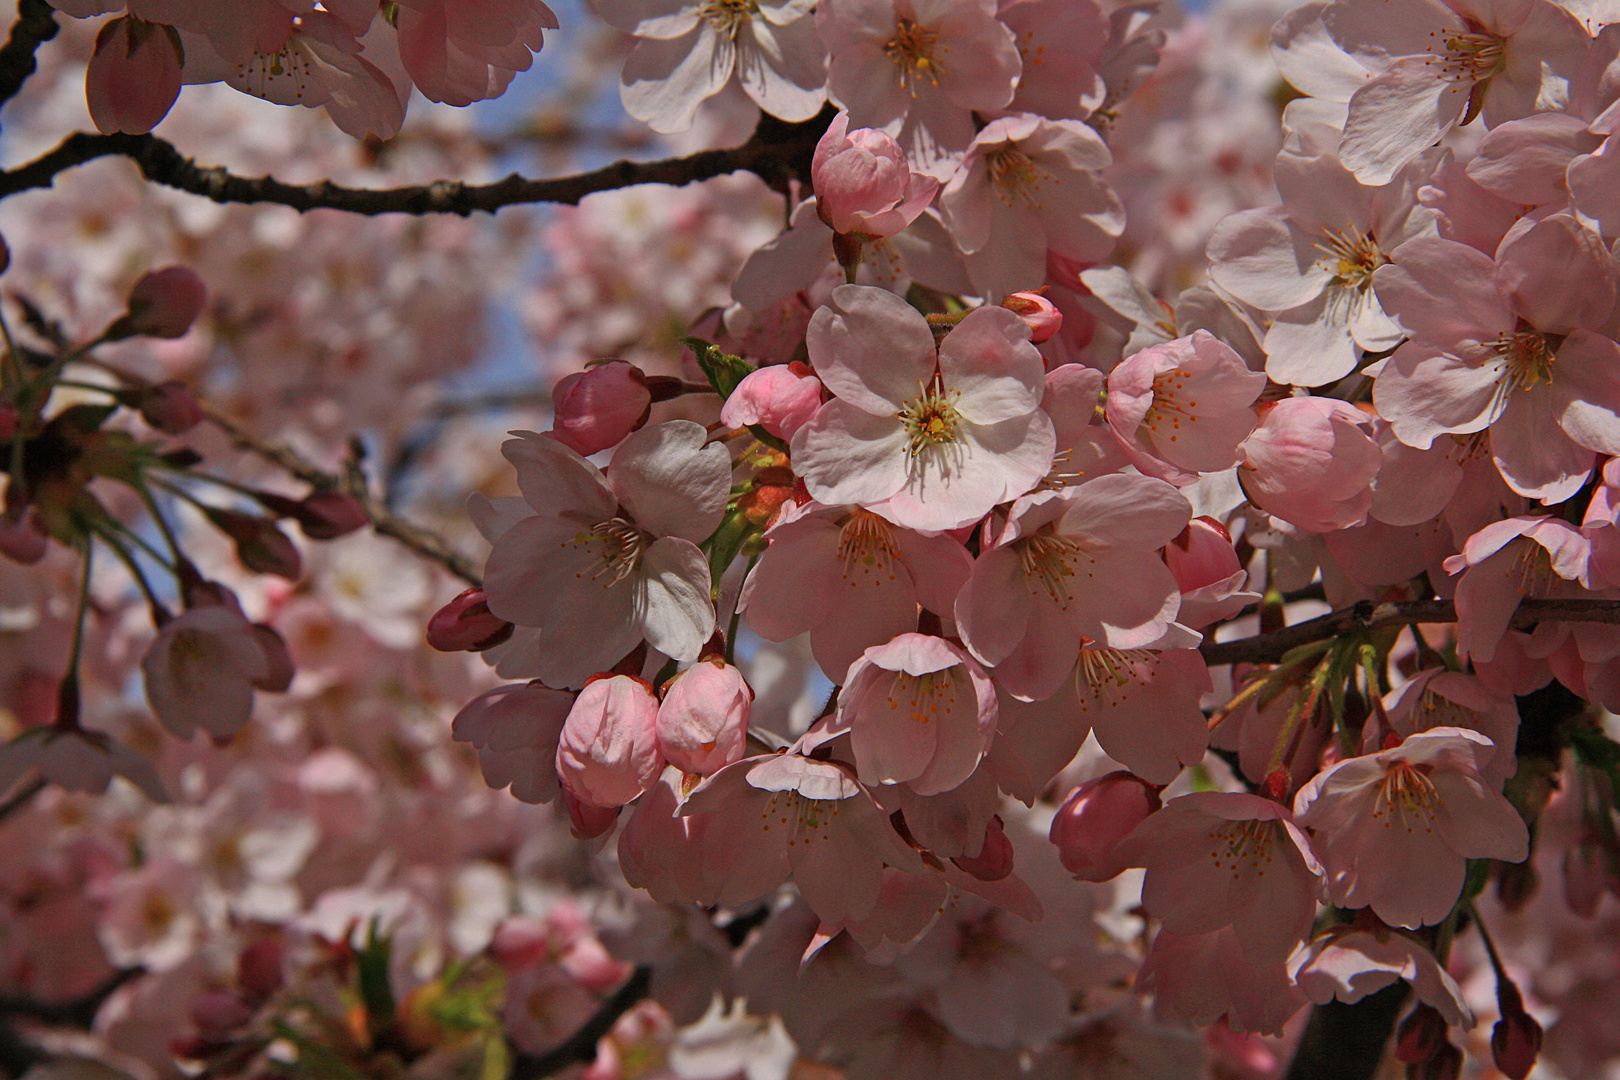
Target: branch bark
{"x":778,"y":152}
{"x":35,"y":25}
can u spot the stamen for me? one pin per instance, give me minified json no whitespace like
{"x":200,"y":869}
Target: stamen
{"x":620,"y":545}
{"x":912,"y":50}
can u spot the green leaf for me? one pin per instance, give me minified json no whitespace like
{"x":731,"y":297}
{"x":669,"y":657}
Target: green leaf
{"x":724,"y":371}
{"x":371,"y":969}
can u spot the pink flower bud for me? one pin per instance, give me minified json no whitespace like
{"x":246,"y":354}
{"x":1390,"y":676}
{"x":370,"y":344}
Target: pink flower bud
{"x":22,"y":536}
{"x":1516,"y":1038}
{"x":260,"y":546}
{"x":278,"y":661}
{"x":519,"y":941}
{"x":608,"y":753}
{"x":703,"y":720}
{"x":163,"y":304}
{"x":134,"y":76}
{"x":863,"y":183}
{"x":1043,"y":317}
{"x":1095,"y":817}
{"x":465,"y":625}
{"x":258,"y":967}
{"x":170,"y":408}
{"x":1202,"y":555}
{"x":1312,"y":463}
{"x":995,"y":860}
{"x":327,"y":515}
{"x":1420,"y":1034}
{"x":781,"y":399}
{"x":587,"y":820}
{"x":596,"y":408}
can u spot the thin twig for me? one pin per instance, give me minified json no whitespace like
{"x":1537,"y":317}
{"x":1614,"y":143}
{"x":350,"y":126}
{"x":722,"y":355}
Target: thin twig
{"x":425,"y":543}
{"x":581,"y":1046}
{"x":778,"y":152}
{"x":1367,"y":616}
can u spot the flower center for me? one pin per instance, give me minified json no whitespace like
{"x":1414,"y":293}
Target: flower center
{"x":1050,"y":560}
{"x":1434,"y":711}
{"x":1108,"y":677}
{"x":1525,"y":362}
{"x":1170,"y":407}
{"x":1352,"y":255}
{"x":865,"y":544}
{"x":912,"y":50}
{"x":930,"y":418}
{"x":1406,"y":793}
{"x":1244,"y":845}
{"x":619,"y":545}
{"x":1016,"y":177}
{"x":805,"y":820}
{"x":728,"y":16}
{"x":921,"y":696}
{"x":1469,"y":56}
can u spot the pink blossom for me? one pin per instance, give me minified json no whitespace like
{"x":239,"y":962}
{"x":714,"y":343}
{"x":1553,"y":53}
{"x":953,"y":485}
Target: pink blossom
{"x":863,"y":185}
{"x":781,"y":398}
{"x":134,"y":77}
{"x":1219,"y":859}
{"x":1096,"y":816}
{"x":1182,"y":408}
{"x":515,"y":729}
{"x":703,"y":720}
{"x":1205,"y":977}
{"x":929,"y":440}
{"x":201,"y":670}
{"x":920,"y":711}
{"x":1073,"y":565}
{"x":1505,"y":562}
{"x":1351,"y":965}
{"x":596,"y":408}
{"x":1395,"y":829}
{"x":76,"y":759}
{"x":608,"y":752}
{"x":1311,"y":464}
{"x":1440,"y":698}
{"x":461,"y":51}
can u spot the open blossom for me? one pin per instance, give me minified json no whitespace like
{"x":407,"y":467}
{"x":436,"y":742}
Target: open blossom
{"x":689,"y":51}
{"x":201,"y":671}
{"x":1351,"y":965}
{"x":1505,"y":562}
{"x":76,"y":759}
{"x":515,"y":729}
{"x":930,"y":440}
{"x":920,"y":711}
{"x":1394,"y":830}
{"x":462,"y":51}
{"x":606,"y":562}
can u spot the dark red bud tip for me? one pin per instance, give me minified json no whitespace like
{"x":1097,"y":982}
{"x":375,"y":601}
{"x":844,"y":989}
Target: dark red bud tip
{"x":995,"y":860}
{"x":465,"y":625}
{"x":163,"y":304}
{"x":258,"y":968}
{"x":171,"y":408}
{"x":1515,"y":1044}
{"x":1420,"y":1035}
{"x":1275,"y":786}
{"x":327,"y":515}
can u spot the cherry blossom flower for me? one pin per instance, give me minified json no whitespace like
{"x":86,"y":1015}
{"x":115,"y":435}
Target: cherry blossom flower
{"x":929,"y":440}
{"x":863,"y":184}
{"x":604,"y":563}
{"x":780,"y":398}
{"x":1501,"y":565}
{"x":1349,"y":966}
{"x":919,"y":711}
{"x":689,"y":51}
{"x":461,"y":51}
{"x":201,"y":671}
{"x":1205,"y":977}
{"x":78,"y":760}
{"x":608,"y":751}
{"x":134,"y":77}
{"x":1395,"y":829}
{"x":515,"y":729}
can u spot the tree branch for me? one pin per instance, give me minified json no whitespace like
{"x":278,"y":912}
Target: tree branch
{"x":777,"y":152}
{"x":581,"y":1045}
{"x":1366,"y":616}
{"x":35,"y":25}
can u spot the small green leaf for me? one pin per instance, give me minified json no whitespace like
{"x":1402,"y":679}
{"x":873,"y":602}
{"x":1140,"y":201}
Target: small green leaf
{"x":724,"y":371}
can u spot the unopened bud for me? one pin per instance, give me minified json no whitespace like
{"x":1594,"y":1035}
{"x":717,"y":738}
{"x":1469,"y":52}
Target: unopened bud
{"x":465,"y":625}
{"x":1095,"y":817}
{"x":1446,"y":1064}
{"x":596,"y":408}
{"x":327,"y":515}
{"x":1516,"y":1038}
{"x":279,"y":669}
{"x":22,"y":536}
{"x":260,"y":546}
{"x":258,"y":967}
{"x":1043,"y":317}
{"x":995,"y":860}
{"x":219,"y":1012}
{"x":163,"y":304}
{"x":587,"y":820}
{"x":170,"y":408}
{"x":1420,"y":1034}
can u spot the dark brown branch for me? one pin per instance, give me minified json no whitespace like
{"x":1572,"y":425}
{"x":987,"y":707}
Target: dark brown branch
{"x":778,"y":152}
{"x":35,"y":25}
{"x":80,"y":1012}
{"x":1366,"y":616}
{"x":581,"y":1046}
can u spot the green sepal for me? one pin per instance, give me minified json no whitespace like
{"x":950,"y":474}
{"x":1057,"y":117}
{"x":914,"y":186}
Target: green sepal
{"x":723,"y":370}
{"x":734,"y":531}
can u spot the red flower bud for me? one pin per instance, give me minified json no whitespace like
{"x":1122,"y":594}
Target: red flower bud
{"x":170,"y":408}
{"x":1420,"y":1034}
{"x":1043,"y":317}
{"x":163,"y":304}
{"x":465,"y":625}
{"x":995,"y":860}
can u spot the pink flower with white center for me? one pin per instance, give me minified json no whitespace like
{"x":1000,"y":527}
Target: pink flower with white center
{"x":1029,"y":185}
{"x":930,"y":440}
{"x":689,"y":51}
{"x":863,"y":184}
{"x":1505,"y":562}
{"x":515,"y":729}
{"x":919,"y":69}
{"x":1395,"y":830}
{"x":608,"y":750}
{"x":1218,"y":858}
{"x":772,"y":818}
{"x":1349,"y":966}
{"x":1311,"y":464}
{"x":1312,"y":260}
{"x":1182,"y":408}
{"x":920,"y":711}
{"x":1062,"y":44}
{"x":1511,"y":344}
{"x":1072,"y":566}
{"x":606,"y":562}
{"x":703,"y":719}
{"x":850,"y":578}
{"x":780,"y":398}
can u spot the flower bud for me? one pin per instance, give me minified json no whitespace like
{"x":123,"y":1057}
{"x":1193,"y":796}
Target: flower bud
{"x":780,"y":398}
{"x":1446,"y":1064}
{"x":219,"y":1012}
{"x":587,"y":820}
{"x":170,"y":408}
{"x":1043,"y":317}
{"x":133,"y":77}
{"x":327,"y":515}
{"x":703,"y":720}
{"x":279,"y":669}
{"x":1202,"y":555}
{"x":863,"y":183}
{"x":519,"y":941}
{"x":465,"y":625}
{"x":22,"y":536}
{"x":608,"y":752}
{"x":258,"y":967}
{"x":596,"y":408}
{"x":995,"y":860}
{"x":163,"y":304}
{"x":1516,"y":1038}
{"x":1420,"y":1034}
{"x":260,"y":546}
{"x":1095,"y":817}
